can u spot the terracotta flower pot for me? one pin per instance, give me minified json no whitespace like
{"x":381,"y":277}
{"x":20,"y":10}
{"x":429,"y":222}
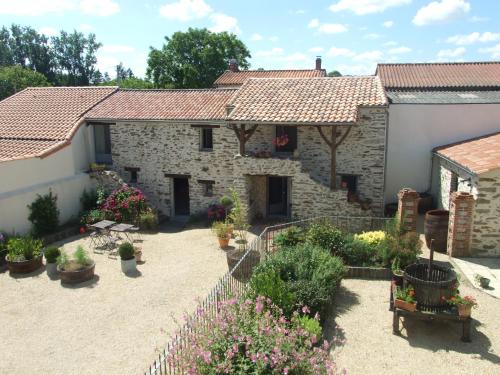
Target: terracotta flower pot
{"x":138,"y":255}
{"x":403,"y":305}
{"x":464,"y":311}
{"x":223,"y":242}
{"x":26,"y":266}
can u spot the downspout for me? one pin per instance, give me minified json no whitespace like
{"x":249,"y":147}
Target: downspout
{"x":385,"y":155}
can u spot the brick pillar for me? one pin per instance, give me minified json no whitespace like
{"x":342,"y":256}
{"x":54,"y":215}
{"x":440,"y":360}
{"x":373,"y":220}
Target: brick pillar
{"x":460,"y":224}
{"x":407,"y":209}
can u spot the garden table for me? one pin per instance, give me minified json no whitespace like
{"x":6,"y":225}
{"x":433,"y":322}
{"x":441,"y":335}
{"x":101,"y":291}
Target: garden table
{"x":123,"y":228}
{"x":102,"y":232}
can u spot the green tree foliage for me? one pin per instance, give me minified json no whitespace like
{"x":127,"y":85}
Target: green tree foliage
{"x":334,"y":73}
{"x":75,"y":56}
{"x":195,"y":58}
{"x":17,"y":78}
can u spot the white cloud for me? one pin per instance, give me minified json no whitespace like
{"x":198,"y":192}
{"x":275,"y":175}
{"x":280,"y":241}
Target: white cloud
{"x":494,"y":51}
{"x":362,"y":7}
{"x":441,"y":11}
{"x":388,"y":24}
{"x":368,"y":55}
{"x":327,"y":28}
{"x":223,"y":22}
{"x":313,"y":23}
{"x":48,"y":31}
{"x":256,"y":36}
{"x":84,"y":27}
{"x":100,"y":8}
{"x":399,"y":50}
{"x":357,"y":69}
{"x":478,"y":19}
{"x":345,"y":52}
{"x":276,"y":51}
{"x":446,"y":53}
{"x":462,"y":40}
{"x":116,"y":48}
{"x":316,"y":49}
{"x":362,"y":56}
{"x":300,"y":11}
{"x":371,"y":36}
{"x":390,"y":43}
{"x":185,"y":10}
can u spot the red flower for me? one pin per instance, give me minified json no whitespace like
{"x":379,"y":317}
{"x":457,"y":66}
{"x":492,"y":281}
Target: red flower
{"x":82,"y":230}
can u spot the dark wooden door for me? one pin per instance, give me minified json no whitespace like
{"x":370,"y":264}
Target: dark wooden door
{"x":181,"y":196}
{"x":278,"y":196}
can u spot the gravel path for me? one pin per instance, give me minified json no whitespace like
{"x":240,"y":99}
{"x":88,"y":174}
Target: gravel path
{"x":423,"y":348}
{"x":113,"y":324}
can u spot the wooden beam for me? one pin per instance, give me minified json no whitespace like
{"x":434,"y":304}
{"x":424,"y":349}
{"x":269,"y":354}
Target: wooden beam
{"x":205,"y":126}
{"x":320,"y":131}
{"x":249,"y":132}
{"x":344,"y":136}
{"x":333,"y":164}
{"x":173,"y":175}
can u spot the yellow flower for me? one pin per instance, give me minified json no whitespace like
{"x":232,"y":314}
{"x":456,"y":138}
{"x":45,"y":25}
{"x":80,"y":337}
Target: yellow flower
{"x":372,"y":238}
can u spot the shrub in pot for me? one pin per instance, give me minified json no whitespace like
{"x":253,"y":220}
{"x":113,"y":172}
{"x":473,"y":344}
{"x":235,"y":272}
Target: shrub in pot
{"x":77,"y":269}
{"x":221,"y":230}
{"x":51,"y":254}
{"x":24,"y":254}
{"x":127,"y":256}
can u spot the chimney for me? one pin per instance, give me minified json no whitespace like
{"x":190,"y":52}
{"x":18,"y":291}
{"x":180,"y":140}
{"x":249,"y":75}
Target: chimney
{"x":318,"y":62}
{"x":233,"y":65}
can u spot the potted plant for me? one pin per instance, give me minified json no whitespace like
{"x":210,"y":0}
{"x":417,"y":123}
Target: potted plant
{"x":76,"y":270}
{"x":484,"y":282}
{"x":397,"y":272}
{"x":464,"y":304}
{"x":51,"y":254}
{"x":24,"y":254}
{"x":138,"y":254}
{"x":221,"y":230}
{"x":127,"y":256}
{"x":405,"y":299}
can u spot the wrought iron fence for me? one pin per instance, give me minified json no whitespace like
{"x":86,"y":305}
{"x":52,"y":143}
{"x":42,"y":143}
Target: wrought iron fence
{"x":234,"y":283}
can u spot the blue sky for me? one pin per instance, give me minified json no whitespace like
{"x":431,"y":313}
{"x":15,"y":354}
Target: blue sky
{"x":350,"y":35}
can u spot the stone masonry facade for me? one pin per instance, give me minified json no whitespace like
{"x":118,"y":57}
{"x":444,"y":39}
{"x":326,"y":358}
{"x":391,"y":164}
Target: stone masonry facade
{"x":161,"y":150}
{"x":485,"y":189}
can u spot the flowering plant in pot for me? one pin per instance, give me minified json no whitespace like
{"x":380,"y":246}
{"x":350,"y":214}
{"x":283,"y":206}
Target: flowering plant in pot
{"x":51,"y":254}
{"x":222,"y":231}
{"x":127,"y":256}
{"x":464,"y":304}
{"x":405,"y":298}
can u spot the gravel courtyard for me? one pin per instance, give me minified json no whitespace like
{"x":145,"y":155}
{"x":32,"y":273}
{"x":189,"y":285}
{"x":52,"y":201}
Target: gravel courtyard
{"x":113,"y":324}
{"x":431,"y":348}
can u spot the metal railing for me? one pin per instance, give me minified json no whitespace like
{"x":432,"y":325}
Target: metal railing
{"x":234,"y":283}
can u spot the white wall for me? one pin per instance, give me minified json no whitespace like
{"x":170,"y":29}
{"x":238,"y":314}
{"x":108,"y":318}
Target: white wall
{"x":415,"y":129}
{"x":62,"y":172}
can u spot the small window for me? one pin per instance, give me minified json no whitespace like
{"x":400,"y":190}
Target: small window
{"x":349,"y":182}
{"x":453,"y":182}
{"x":133,"y":177}
{"x":102,"y":142}
{"x":208,"y":187}
{"x":207,"y":142}
{"x":133,"y":174}
{"x":289,"y":132}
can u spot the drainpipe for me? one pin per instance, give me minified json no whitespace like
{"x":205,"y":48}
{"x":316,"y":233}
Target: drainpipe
{"x":385,"y":155}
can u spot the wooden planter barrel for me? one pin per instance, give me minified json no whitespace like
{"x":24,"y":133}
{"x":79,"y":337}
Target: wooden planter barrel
{"x":26,"y":266}
{"x":78,"y":276}
{"x":436,"y":228}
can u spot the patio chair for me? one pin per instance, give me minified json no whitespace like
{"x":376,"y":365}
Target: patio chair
{"x":96,"y":240}
{"x":135,"y":234}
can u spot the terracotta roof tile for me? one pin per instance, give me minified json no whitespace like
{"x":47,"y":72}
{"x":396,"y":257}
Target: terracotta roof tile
{"x":230,"y":78}
{"x":36,"y":119}
{"x":479,"y":155}
{"x":305,"y":100}
{"x":440,"y":75}
{"x":205,"y":104}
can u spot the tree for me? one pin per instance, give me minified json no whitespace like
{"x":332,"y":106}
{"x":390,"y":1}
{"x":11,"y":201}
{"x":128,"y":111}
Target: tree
{"x":334,"y":73}
{"x":195,"y":58}
{"x":122,"y":73}
{"x":17,"y":78}
{"x":76,"y":58}
{"x":130,"y":83}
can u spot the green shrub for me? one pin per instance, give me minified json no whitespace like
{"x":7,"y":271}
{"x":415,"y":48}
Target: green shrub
{"x":326,"y":236}
{"x":267,"y":283}
{"x":88,"y":200}
{"x":44,"y":214}
{"x":359,"y":253}
{"x":126,"y":251}
{"x":81,"y":256}
{"x":226,"y":201}
{"x":310,"y":272}
{"x":289,"y":237}
{"x":311,"y":325}
{"x":23,"y":248}
{"x":148,"y":220}
{"x":51,"y":254}
{"x":404,"y":248}
{"x":92,"y":216}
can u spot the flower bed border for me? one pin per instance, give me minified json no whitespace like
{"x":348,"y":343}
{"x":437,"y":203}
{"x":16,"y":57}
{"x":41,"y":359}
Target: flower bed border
{"x":372,"y":273}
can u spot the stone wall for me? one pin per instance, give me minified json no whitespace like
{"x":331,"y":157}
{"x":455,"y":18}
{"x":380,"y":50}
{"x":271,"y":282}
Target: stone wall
{"x":161,"y":149}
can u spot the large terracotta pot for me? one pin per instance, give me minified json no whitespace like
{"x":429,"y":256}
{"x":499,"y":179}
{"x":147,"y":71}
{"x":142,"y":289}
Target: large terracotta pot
{"x":78,"y":276}
{"x":408,"y":306}
{"x":464,"y":311}
{"x":223,"y":242}
{"x":436,"y":228}
{"x":26,"y":266}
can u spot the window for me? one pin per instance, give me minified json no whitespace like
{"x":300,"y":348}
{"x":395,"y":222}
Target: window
{"x":102,"y":142}
{"x":133,"y":174}
{"x":207,"y":142}
{"x":291,"y":133}
{"x":208,"y":187}
{"x":453,"y":182}
{"x":349,"y":182}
